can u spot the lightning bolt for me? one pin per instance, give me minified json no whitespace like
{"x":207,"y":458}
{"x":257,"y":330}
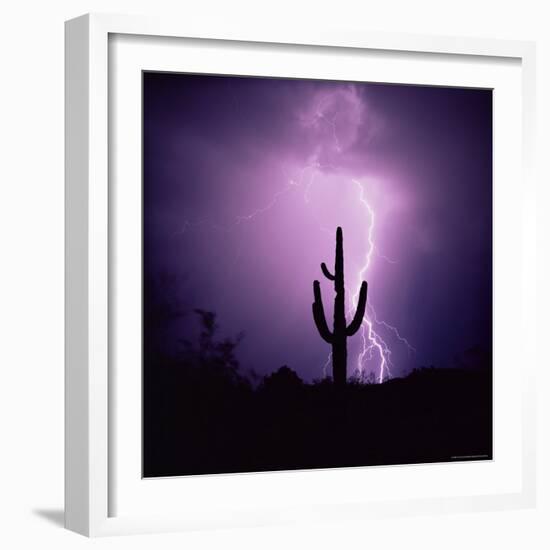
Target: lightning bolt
{"x":373,"y":343}
{"x":262,"y":210}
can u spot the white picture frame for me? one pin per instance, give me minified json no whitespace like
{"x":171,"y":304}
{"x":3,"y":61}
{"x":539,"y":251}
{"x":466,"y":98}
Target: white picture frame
{"x":92,"y":435}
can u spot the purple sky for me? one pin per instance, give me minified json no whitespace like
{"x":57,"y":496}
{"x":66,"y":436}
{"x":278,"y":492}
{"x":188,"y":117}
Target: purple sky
{"x":246,"y":180}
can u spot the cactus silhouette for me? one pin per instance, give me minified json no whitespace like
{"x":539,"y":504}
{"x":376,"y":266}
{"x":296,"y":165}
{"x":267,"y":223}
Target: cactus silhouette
{"x":341,"y":331}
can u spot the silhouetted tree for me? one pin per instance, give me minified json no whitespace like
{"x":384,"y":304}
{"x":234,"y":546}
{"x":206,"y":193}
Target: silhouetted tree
{"x":338,"y":337}
{"x":211,"y":354}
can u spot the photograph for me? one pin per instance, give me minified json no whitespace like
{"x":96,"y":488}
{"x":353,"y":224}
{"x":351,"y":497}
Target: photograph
{"x":317,"y":274}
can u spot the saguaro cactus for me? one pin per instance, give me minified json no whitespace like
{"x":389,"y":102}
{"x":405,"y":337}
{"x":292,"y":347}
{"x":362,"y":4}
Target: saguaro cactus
{"x":340,"y":332}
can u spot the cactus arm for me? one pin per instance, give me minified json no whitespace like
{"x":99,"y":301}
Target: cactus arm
{"x":320,"y":322}
{"x":319,"y":314}
{"x":360,"y":312}
{"x":326,"y":272}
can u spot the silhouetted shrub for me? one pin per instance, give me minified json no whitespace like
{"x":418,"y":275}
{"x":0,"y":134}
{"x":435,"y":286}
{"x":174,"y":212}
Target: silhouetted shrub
{"x":216,"y":358}
{"x":282,"y":379}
